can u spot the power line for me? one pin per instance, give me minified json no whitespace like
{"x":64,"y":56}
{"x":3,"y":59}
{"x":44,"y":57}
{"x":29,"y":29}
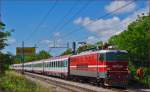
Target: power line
{"x":107,"y":14}
{"x":65,"y":16}
{"x":42,"y":21}
{"x":70,"y":20}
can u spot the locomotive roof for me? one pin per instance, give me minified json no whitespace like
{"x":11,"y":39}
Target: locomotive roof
{"x":99,"y":51}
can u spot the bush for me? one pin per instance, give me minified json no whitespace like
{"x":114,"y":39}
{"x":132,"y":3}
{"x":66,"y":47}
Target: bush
{"x":145,"y":81}
{"x":14,"y":82}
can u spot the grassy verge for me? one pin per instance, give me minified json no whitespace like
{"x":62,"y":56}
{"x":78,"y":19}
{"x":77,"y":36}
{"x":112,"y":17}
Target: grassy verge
{"x":14,"y":82}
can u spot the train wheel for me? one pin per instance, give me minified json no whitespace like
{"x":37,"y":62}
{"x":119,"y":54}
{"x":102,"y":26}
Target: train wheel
{"x":102,"y":83}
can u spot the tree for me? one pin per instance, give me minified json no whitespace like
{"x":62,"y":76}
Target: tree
{"x":99,"y":44}
{"x":135,"y":40}
{"x":2,"y":25}
{"x":43,"y":55}
{"x":28,"y":58}
{"x":5,"y":59}
{"x":67,"y":52}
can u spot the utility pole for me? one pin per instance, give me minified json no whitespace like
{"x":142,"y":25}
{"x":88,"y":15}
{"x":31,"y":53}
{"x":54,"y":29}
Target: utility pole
{"x":22,"y":57}
{"x":74,"y":48}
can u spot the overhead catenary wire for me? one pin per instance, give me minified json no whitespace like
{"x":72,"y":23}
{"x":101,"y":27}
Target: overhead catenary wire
{"x":110,"y":13}
{"x":105,"y":15}
{"x":65,"y":16}
{"x":42,"y":21}
{"x":70,"y":20}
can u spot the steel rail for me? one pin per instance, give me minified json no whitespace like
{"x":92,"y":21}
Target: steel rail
{"x":69,"y":85}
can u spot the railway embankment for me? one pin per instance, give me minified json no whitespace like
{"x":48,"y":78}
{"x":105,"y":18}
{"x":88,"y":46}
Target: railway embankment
{"x":15,"y":82}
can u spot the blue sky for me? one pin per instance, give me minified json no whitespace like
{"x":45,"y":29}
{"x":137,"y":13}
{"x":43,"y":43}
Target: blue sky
{"x":24,"y":15}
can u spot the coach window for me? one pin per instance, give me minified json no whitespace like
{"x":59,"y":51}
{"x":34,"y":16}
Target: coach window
{"x":59,"y":64}
{"x":45,"y":64}
{"x":52,"y":64}
{"x":49,"y":64}
{"x":56,"y":63}
{"x":65,"y":63}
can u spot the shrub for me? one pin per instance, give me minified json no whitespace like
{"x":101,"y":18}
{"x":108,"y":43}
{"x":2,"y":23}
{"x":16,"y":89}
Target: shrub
{"x":14,"y":82}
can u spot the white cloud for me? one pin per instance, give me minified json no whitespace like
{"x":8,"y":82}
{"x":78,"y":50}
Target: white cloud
{"x":46,"y":41}
{"x":82,"y":21}
{"x":11,"y":40}
{"x":92,"y":39}
{"x":105,"y":28}
{"x":119,"y":3}
{"x":50,"y":43}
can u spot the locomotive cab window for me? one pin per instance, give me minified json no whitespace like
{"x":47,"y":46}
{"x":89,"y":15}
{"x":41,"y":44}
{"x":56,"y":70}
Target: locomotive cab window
{"x":116,"y":56}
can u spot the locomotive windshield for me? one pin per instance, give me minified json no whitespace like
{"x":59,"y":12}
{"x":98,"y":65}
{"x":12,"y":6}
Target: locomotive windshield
{"x":113,"y":56}
{"x":116,"y":56}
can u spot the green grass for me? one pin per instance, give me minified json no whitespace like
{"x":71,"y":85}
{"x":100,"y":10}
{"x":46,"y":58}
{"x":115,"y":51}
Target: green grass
{"x":15,"y":82}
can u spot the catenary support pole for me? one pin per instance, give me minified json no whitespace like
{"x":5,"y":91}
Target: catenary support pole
{"x":22,"y":57}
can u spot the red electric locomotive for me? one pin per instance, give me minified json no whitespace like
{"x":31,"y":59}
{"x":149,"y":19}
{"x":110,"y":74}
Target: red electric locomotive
{"x":109,"y":67}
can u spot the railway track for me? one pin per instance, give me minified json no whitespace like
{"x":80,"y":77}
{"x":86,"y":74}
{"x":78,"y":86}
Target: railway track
{"x":72,"y":86}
